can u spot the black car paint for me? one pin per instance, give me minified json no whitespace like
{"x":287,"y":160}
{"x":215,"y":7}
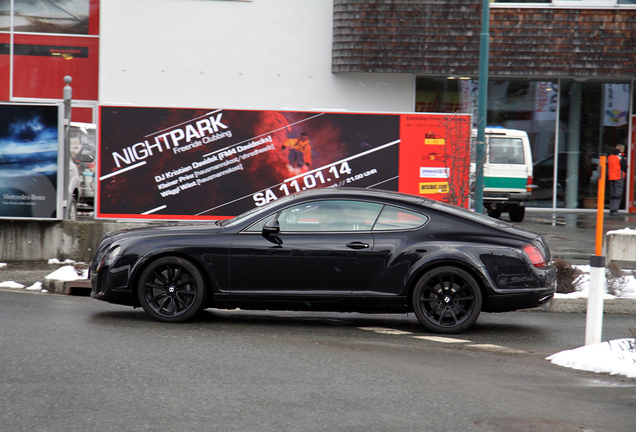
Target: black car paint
{"x":245,"y":269}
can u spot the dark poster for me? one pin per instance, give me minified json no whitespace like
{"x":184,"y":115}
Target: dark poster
{"x":169,"y":163}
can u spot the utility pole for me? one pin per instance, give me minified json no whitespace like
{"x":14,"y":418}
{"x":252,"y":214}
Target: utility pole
{"x":482,"y":106}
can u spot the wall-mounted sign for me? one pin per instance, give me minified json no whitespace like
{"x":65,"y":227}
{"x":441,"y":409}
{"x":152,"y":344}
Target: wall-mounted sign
{"x":172,"y":163}
{"x":29,"y":149}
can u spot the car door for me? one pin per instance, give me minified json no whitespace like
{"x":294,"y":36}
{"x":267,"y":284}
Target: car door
{"x":322,"y":249}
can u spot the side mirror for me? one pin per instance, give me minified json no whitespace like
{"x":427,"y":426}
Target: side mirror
{"x":271,"y":230}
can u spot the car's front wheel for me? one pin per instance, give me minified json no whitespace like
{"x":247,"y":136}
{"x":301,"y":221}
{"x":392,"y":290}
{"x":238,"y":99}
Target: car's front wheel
{"x":171,"y":289}
{"x":447,"y":300}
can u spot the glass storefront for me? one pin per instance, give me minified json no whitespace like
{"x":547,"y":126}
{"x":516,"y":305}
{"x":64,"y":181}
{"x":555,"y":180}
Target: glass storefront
{"x":569,"y":123}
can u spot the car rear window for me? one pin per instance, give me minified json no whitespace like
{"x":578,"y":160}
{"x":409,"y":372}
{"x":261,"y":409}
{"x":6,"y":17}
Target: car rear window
{"x":393,"y":218}
{"x":506,"y":151}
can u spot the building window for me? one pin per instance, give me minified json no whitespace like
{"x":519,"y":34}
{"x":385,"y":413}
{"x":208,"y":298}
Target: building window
{"x":569,"y":123}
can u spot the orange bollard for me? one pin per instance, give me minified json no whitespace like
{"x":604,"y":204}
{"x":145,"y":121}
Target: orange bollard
{"x":600,"y":205}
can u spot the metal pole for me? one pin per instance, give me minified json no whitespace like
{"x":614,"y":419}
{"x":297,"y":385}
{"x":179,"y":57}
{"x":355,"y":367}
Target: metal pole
{"x":594,"y":314}
{"x":68,"y":95}
{"x":482,"y":106}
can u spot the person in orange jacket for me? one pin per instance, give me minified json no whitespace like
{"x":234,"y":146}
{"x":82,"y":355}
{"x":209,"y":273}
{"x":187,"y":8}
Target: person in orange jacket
{"x":616,"y":173}
{"x":299,"y":151}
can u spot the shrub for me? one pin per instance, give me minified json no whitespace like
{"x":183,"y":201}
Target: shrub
{"x":615,"y":279}
{"x":568,"y":277}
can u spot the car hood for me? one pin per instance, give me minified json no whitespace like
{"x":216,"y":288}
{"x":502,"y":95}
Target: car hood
{"x":163,"y":230}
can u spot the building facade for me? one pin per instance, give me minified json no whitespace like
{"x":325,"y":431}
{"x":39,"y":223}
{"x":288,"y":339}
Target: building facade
{"x":561,"y":70}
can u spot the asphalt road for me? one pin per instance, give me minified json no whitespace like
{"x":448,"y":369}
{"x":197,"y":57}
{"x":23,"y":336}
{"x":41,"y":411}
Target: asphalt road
{"x":76,"y":364}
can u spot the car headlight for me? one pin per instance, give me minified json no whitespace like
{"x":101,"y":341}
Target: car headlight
{"x":112,"y":254}
{"x":109,"y":257}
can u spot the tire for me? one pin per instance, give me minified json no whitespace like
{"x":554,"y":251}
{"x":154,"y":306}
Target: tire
{"x":494,"y":213}
{"x":517,"y":214}
{"x":171,"y":289}
{"x":447,"y":300}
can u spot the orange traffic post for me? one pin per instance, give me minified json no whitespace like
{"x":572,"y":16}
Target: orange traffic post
{"x":594,"y":315}
{"x":600,"y":205}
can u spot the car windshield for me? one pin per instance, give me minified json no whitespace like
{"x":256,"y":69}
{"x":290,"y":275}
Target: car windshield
{"x":506,"y":151}
{"x":250,"y":213}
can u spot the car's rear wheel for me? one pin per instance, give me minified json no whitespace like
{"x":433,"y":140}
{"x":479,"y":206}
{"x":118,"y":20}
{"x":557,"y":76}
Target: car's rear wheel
{"x":447,"y":300}
{"x":171,"y":289}
{"x":517,"y":213}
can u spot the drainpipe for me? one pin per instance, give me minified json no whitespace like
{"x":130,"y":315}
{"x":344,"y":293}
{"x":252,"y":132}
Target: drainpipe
{"x":482,"y":106}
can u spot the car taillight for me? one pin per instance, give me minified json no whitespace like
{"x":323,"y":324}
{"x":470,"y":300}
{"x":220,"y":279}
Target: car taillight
{"x":535,"y":255}
{"x":529,"y":184}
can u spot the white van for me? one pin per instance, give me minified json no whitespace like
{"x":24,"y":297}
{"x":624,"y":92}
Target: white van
{"x":507,"y":172}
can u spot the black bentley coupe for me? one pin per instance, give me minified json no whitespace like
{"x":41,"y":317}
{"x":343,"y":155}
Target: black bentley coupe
{"x":333,"y":249}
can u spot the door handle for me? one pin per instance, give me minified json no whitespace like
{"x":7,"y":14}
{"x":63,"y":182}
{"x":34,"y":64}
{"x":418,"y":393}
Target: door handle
{"x":357,"y":245}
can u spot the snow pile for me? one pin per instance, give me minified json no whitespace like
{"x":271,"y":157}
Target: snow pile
{"x":616,"y":357}
{"x":64,"y":274}
{"x":68,"y":273}
{"x":11,"y":284}
{"x":36,"y":287}
{"x":57,"y":261}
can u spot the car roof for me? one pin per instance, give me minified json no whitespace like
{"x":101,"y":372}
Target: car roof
{"x":349,"y":192}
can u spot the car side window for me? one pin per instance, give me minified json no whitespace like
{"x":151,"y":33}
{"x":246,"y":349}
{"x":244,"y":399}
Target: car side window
{"x":335,"y":215}
{"x":324,"y":216}
{"x":393,"y":218}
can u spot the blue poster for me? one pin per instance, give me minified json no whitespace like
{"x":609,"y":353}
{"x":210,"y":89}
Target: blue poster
{"x":29,"y":144}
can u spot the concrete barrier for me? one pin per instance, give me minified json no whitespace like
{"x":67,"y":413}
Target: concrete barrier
{"x":27,"y":240}
{"x":620,"y":247}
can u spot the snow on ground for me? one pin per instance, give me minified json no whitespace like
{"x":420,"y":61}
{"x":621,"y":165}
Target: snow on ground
{"x":68,"y":273}
{"x":628,"y":290}
{"x":615,"y":357}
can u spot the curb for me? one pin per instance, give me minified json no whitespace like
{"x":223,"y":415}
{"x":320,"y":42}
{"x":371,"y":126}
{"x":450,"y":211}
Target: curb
{"x":80,"y":287}
{"x":613,"y":306}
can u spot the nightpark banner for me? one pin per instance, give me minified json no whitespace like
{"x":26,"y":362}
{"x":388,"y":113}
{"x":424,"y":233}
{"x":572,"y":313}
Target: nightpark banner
{"x":178,"y":163}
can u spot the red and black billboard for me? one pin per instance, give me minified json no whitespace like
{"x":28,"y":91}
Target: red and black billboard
{"x":177,"y":163}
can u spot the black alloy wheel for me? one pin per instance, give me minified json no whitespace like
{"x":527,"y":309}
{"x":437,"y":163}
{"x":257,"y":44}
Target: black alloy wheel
{"x":447,"y":300}
{"x":171,"y":289}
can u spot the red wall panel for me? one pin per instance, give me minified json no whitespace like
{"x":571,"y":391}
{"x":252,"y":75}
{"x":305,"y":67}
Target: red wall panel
{"x":42,"y":61}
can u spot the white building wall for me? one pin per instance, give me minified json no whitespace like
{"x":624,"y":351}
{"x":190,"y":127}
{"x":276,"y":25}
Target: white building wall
{"x":260,"y":54}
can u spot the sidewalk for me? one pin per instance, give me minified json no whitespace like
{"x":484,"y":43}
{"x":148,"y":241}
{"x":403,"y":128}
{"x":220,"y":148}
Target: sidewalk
{"x":572,"y":234}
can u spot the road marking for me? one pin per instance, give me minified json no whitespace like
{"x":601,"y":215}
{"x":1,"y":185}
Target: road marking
{"x":498,"y":348}
{"x":384,"y":330}
{"x":442,"y":339}
{"x":446,"y":340}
